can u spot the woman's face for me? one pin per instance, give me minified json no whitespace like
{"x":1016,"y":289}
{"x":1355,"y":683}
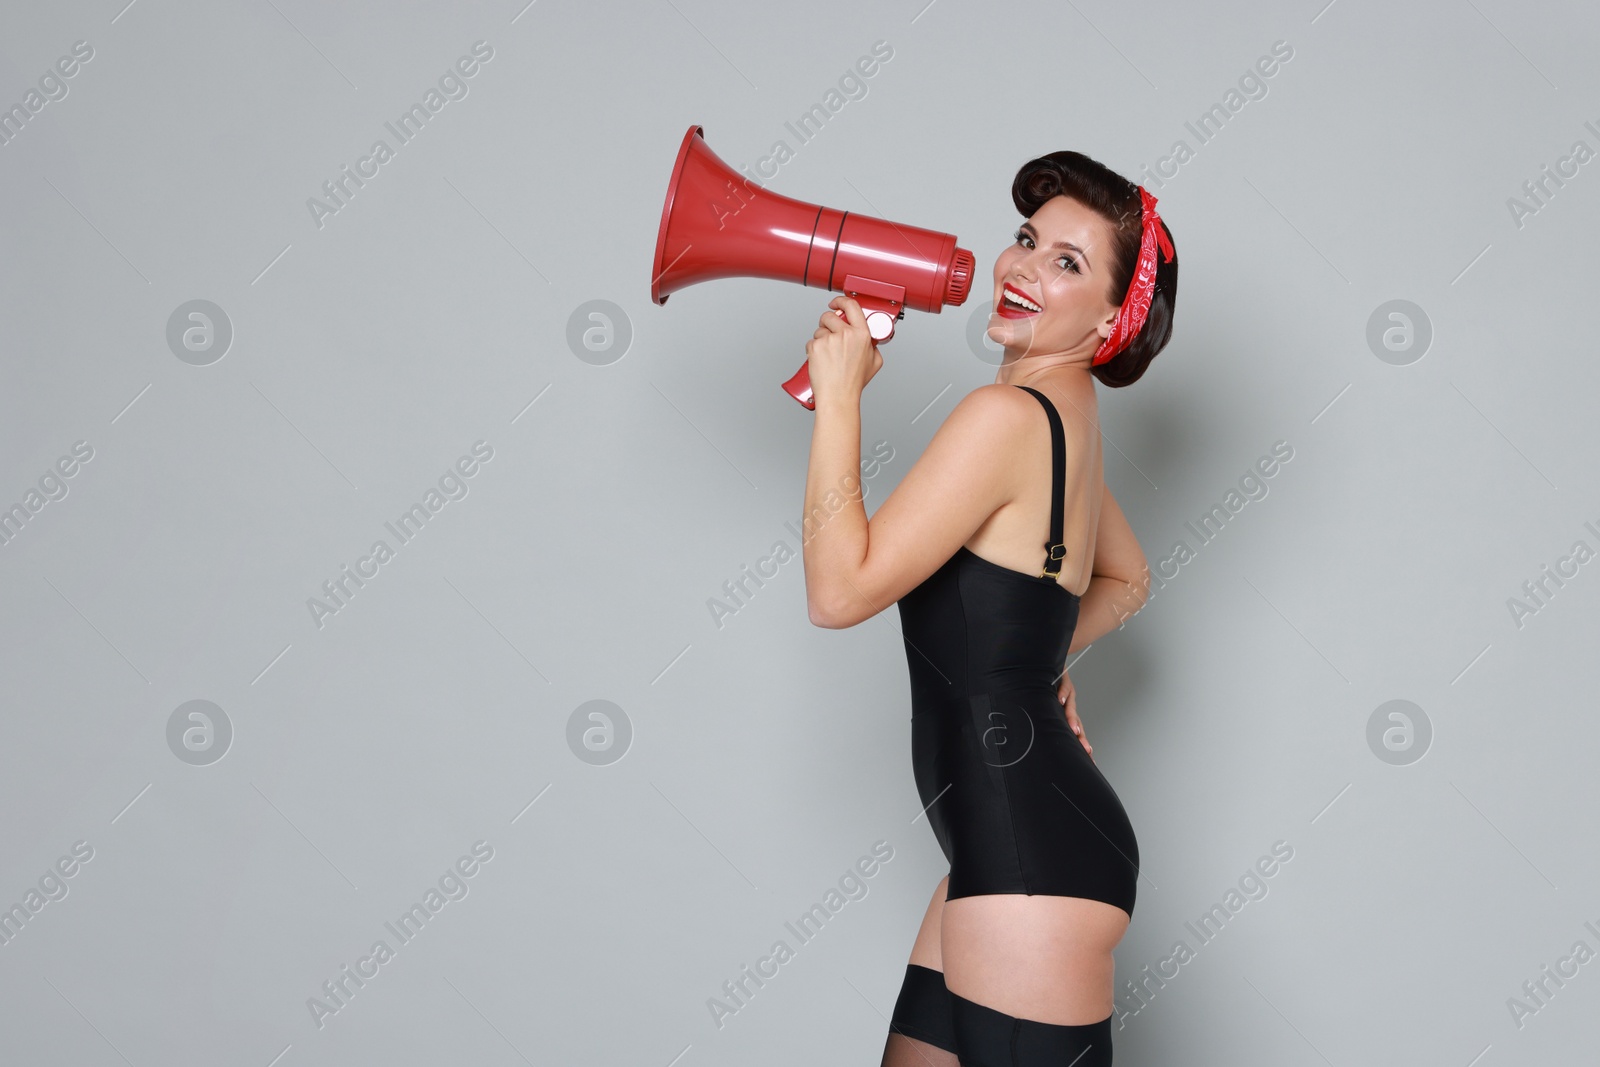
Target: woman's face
{"x":1060,"y":262}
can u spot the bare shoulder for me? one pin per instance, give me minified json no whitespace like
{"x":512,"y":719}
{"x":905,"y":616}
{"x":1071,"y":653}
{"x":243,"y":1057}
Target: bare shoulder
{"x":1079,"y":405}
{"x":979,"y":439}
{"x":992,"y":401}
{"x":994,"y":410}
{"x":988,"y":419}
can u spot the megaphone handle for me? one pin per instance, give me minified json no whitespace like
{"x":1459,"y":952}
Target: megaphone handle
{"x":879,"y":321}
{"x":799,"y":387}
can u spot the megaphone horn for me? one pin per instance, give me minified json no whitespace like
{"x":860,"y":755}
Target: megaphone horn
{"x":716,"y":223}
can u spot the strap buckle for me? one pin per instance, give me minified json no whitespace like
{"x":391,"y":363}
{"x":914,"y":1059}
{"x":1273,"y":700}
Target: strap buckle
{"x":1056,"y":552}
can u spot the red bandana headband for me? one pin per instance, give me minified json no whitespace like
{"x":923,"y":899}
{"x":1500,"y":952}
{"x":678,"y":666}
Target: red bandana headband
{"x":1136,"y":306}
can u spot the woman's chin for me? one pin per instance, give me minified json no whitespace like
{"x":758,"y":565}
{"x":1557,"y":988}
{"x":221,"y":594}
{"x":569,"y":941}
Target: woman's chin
{"x":1011,"y":334}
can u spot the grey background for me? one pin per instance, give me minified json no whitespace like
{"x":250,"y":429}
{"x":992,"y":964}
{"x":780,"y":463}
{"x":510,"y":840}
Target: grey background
{"x":767,"y":756}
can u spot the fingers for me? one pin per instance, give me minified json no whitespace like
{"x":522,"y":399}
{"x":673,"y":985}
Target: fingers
{"x":1077,"y":728}
{"x":844,"y":311}
{"x":831,"y":322}
{"x":1075,"y":723}
{"x":852,"y":310}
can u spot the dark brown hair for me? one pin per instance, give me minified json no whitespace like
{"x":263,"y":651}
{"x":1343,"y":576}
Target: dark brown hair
{"x":1115,"y":199}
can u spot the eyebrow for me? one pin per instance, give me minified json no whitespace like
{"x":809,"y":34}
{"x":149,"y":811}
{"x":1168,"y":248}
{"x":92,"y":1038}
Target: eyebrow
{"x":1059,"y":244}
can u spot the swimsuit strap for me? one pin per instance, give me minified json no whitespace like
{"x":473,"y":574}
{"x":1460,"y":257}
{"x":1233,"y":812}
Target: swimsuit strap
{"x":1056,"y":550}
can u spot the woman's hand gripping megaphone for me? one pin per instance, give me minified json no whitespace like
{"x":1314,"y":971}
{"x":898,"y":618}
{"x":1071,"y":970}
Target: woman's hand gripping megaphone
{"x":842,"y":355}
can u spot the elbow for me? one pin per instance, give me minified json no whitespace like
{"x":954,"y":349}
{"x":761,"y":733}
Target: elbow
{"x":825,"y":603}
{"x":1139,"y":589}
{"x":831,"y":616}
{"x":821,"y":615}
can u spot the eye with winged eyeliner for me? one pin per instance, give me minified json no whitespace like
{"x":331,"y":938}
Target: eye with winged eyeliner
{"x":1028,"y":231}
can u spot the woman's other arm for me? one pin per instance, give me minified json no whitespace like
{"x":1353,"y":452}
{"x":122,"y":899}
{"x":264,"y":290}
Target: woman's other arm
{"x":1120,"y":584}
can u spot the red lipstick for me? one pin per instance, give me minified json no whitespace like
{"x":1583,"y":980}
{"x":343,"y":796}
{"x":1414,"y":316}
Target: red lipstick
{"x":1020,"y":306}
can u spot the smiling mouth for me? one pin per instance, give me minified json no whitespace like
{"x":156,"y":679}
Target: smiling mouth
{"x":1015,"y":303}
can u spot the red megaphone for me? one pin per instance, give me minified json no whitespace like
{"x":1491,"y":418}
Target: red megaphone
{"x":716,"y":223}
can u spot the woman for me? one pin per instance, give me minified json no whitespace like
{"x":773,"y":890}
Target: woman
{"x":1006,"y":554}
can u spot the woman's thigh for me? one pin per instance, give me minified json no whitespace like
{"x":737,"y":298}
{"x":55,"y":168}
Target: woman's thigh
{"x":925,"y":951}
{"x":1046,"y":958}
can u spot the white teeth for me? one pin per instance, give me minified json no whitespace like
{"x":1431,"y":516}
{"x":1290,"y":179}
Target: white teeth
{"x":1021,"y":301}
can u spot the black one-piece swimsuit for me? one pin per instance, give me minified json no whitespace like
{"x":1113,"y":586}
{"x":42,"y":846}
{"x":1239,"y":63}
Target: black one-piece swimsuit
{"x":1015,"y":802}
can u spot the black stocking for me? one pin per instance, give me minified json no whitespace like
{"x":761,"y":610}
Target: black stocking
{"x":921,"y":1031}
